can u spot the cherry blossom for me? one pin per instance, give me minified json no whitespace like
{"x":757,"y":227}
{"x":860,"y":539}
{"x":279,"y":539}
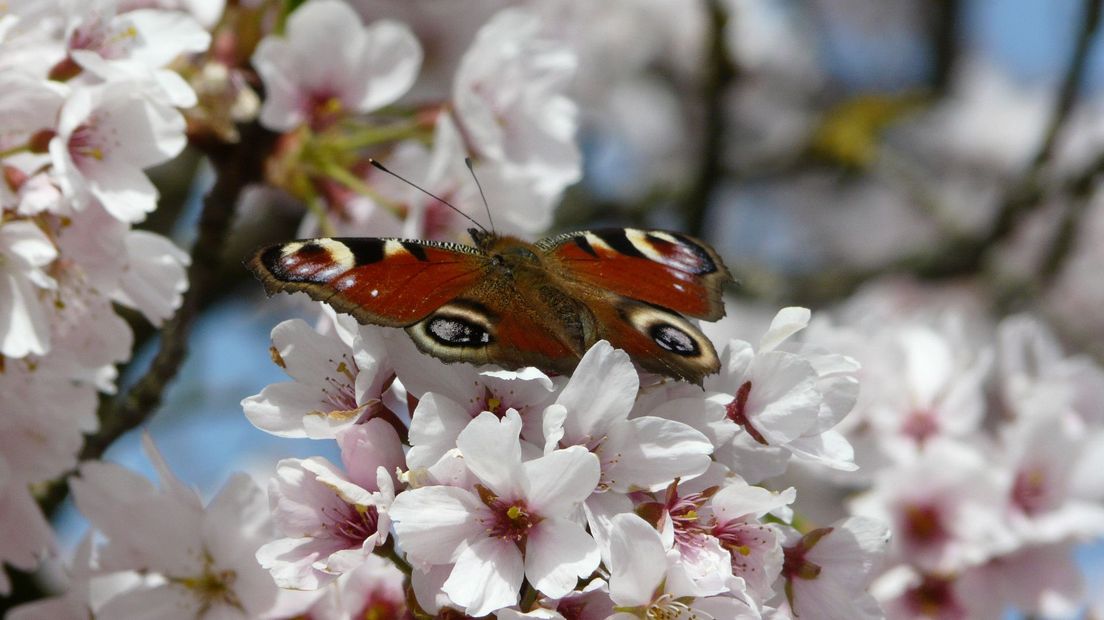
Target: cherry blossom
{"x":640,"y":583}
{"x":828,"y":569}
{"x":509,"y":101}
{"x":338,"y":379}
{"x":203,"y":554}
{"x":943,"y":508}
{"x":106,"y":135}
{"x":331,"y":520}
{"x":513,"y":524}
{"x":770,"y":404}
{"x":367,"y":67}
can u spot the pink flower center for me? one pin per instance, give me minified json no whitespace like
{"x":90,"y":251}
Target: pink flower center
{"x":490,"y":402}
{"x":99,"y":36}
{"x":85,"y":145}
{"x":353,"y":524}
{"x":509,"y":520}
{"x":922,"y":524}
{"x":323,"y":107}
{"x":934,"y":597}
{"x":737,"y":412}
{"x":744,"y":541}
{"x":920,"y":425}
{"x":1029,"y":491}
{"x":795,"y":564}
{"x":340,"y":393}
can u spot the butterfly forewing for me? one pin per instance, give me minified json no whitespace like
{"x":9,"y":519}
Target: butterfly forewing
{"x":392,"y":282}
{"x":662,"y":268}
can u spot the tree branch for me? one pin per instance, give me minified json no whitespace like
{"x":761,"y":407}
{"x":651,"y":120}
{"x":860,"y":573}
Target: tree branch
{"x":719,"y":75}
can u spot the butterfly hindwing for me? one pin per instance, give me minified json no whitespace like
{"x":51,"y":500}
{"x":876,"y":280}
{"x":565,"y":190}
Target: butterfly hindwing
{"x":391,"y":282}
{"x":658,"y":340}
{"x":661,"y":268}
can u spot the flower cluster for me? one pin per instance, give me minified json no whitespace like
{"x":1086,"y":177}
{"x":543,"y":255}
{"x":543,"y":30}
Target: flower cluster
{"x":525,"y":495}
{"x":89,"y":103}
{"x":981,"y":452}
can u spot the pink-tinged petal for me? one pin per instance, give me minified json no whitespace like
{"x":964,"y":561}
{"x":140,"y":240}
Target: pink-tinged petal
{"x":390,"y":45}
{"x":427,"y":585}
{"x":651,"y":452}
{"x":558,"y":481}
{"x":136,"y":132}
{"x":786,"y":323}
{"x":855,"y":546}
{"x":176,"y":33}
{"x":600,"y":509}
{"x":308,"y":357}
{"x":638,"y":562}
{"x":24,"y":328}
{"x":601,"y":391}
{"x":298,"y":500}
{"x":291,"y":561}
{"x":367,"y":447}
{"x":736,"y":359}
{"x":124,"y":191}
{"x":280,"y":408}
{"x":783,"y":402}
{"x":552,"y":425}
{"x":559,"y":552}
{"x":829,"y":449}
{"x":702,"y":569}
{"x":740,"y":499}
{"x":433,"y":522}
{"x":324,"y":29}
{"x":282,"y":110}
{"x":726,"y":607}
{"x":155,"y":603}
{"x":753,"y":460}
{"x":146,"y":529}
{"x":487,"y":576}
{"x":492,"y":451}
{"x":929,"y":364}
{"x":154,"y":280}
{"x":434,"y":427}
{"x":27,"y":535}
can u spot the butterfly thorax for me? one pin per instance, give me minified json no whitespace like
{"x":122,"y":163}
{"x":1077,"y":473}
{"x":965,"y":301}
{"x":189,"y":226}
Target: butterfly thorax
{"x":512,"y":255}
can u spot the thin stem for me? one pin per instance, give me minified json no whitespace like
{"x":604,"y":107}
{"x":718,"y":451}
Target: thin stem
{"x":387,"y":550}
{"x":15,"y":150}
{"x":371,"y":136}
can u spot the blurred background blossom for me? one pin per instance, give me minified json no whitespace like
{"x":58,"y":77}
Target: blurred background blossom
{"x":923,"y":174}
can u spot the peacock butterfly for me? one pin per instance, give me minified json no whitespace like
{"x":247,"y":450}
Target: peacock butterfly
{"x":508,"y":302}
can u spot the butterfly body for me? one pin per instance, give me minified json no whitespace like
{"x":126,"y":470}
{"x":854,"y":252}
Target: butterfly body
{"x":509,"y":302}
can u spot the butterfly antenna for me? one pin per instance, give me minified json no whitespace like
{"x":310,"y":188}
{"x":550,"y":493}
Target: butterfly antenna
{"x":380,"y":166}
{"x":471,"y":169}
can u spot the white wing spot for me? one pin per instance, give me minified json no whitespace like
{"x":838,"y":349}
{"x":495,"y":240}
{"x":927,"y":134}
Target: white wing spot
{"x":393,"y":247}
{"x":339,"y":253}
{"x":375,"y":293}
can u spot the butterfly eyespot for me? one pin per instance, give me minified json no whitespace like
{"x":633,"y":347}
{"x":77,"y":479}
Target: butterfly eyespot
{"x":452,"y":331}
{"x":455,"y":328}
{"x":674,"y":340}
